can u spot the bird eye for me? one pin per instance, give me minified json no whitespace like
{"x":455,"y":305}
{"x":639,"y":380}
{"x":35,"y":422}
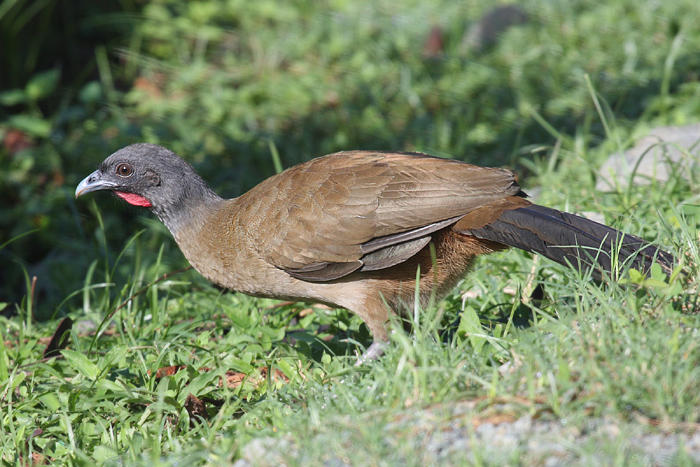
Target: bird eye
{"x":124,"y":169}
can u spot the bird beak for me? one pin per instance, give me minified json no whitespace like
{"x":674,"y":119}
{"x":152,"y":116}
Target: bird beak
{"x":93,"y":182}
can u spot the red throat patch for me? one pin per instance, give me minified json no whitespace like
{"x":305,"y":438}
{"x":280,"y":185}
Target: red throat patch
{"x":136,"y":200}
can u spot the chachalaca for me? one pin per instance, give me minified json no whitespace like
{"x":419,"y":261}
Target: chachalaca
{"x":350,"y":229}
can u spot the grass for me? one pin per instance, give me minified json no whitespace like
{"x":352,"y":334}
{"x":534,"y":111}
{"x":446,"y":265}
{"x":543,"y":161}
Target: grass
{"x":275,"y":382}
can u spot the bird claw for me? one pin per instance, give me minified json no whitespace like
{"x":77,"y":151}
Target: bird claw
{"x":373,"y":352}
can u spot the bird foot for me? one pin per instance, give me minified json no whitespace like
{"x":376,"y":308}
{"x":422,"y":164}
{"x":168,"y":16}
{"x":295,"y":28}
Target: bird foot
{"x":373,"y":352}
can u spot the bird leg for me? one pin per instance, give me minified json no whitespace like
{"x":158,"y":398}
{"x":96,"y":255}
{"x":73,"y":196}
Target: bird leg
{"x":373,"y":352}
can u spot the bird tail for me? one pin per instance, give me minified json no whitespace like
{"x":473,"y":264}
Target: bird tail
{"x":572,"y":240}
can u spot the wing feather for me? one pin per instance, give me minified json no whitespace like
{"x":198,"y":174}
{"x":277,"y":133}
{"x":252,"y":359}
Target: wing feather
{"x":319,"y":220}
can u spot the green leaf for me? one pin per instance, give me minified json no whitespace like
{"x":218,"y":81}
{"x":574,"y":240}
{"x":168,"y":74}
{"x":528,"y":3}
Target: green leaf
{"x":103,"y":454}
{"x":33,"y":125}
{"x":109,"y":386}
{"x":50,"y":401}
{"x":288,"y":370}
{"x":240,"y":365}
{"x":42,"y":84}
{"x":12,"y":97}
{"x":470,"y":325}
{"x":657,"y":273}
{"x":91,"y":92}
{"x":81,"y":364}
{"x":17,"y":379}
{"x":655,"y":284}
{"x":200,"y":382}
{"x":636,"y":277}
{"x":672,"y":290}
{"x":325,"y":358}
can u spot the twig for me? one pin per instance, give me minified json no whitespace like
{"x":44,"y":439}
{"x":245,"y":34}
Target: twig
{"x":32,"y":296}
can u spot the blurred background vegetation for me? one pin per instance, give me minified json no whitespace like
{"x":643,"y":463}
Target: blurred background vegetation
{"x":227,"y":82}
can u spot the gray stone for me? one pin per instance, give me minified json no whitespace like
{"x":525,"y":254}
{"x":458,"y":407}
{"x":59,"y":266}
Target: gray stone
{"x":485,"y":32}
{"x":664,"y":151}
{"x":448,"y":435}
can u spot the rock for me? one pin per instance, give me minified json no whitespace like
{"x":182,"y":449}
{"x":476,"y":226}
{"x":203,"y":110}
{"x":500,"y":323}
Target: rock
{"x":485,"y":32}
{"x":267,"y":451}
{"x":665,"y":150}
{"x":456,"y":434}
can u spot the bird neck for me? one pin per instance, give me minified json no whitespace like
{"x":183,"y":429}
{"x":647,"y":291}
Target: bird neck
{"x":190,"y":208}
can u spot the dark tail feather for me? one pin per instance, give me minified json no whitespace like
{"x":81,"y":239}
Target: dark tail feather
{"x":569,"y":239}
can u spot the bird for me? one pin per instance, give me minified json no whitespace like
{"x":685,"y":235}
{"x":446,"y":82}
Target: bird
{"x":358,"y":229}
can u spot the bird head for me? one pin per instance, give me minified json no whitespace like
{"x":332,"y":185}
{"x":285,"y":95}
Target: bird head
{"x":150,"y":176}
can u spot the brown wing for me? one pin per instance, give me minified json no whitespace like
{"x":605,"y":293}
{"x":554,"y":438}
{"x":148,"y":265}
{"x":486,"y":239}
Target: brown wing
{"x":353,"y":210}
